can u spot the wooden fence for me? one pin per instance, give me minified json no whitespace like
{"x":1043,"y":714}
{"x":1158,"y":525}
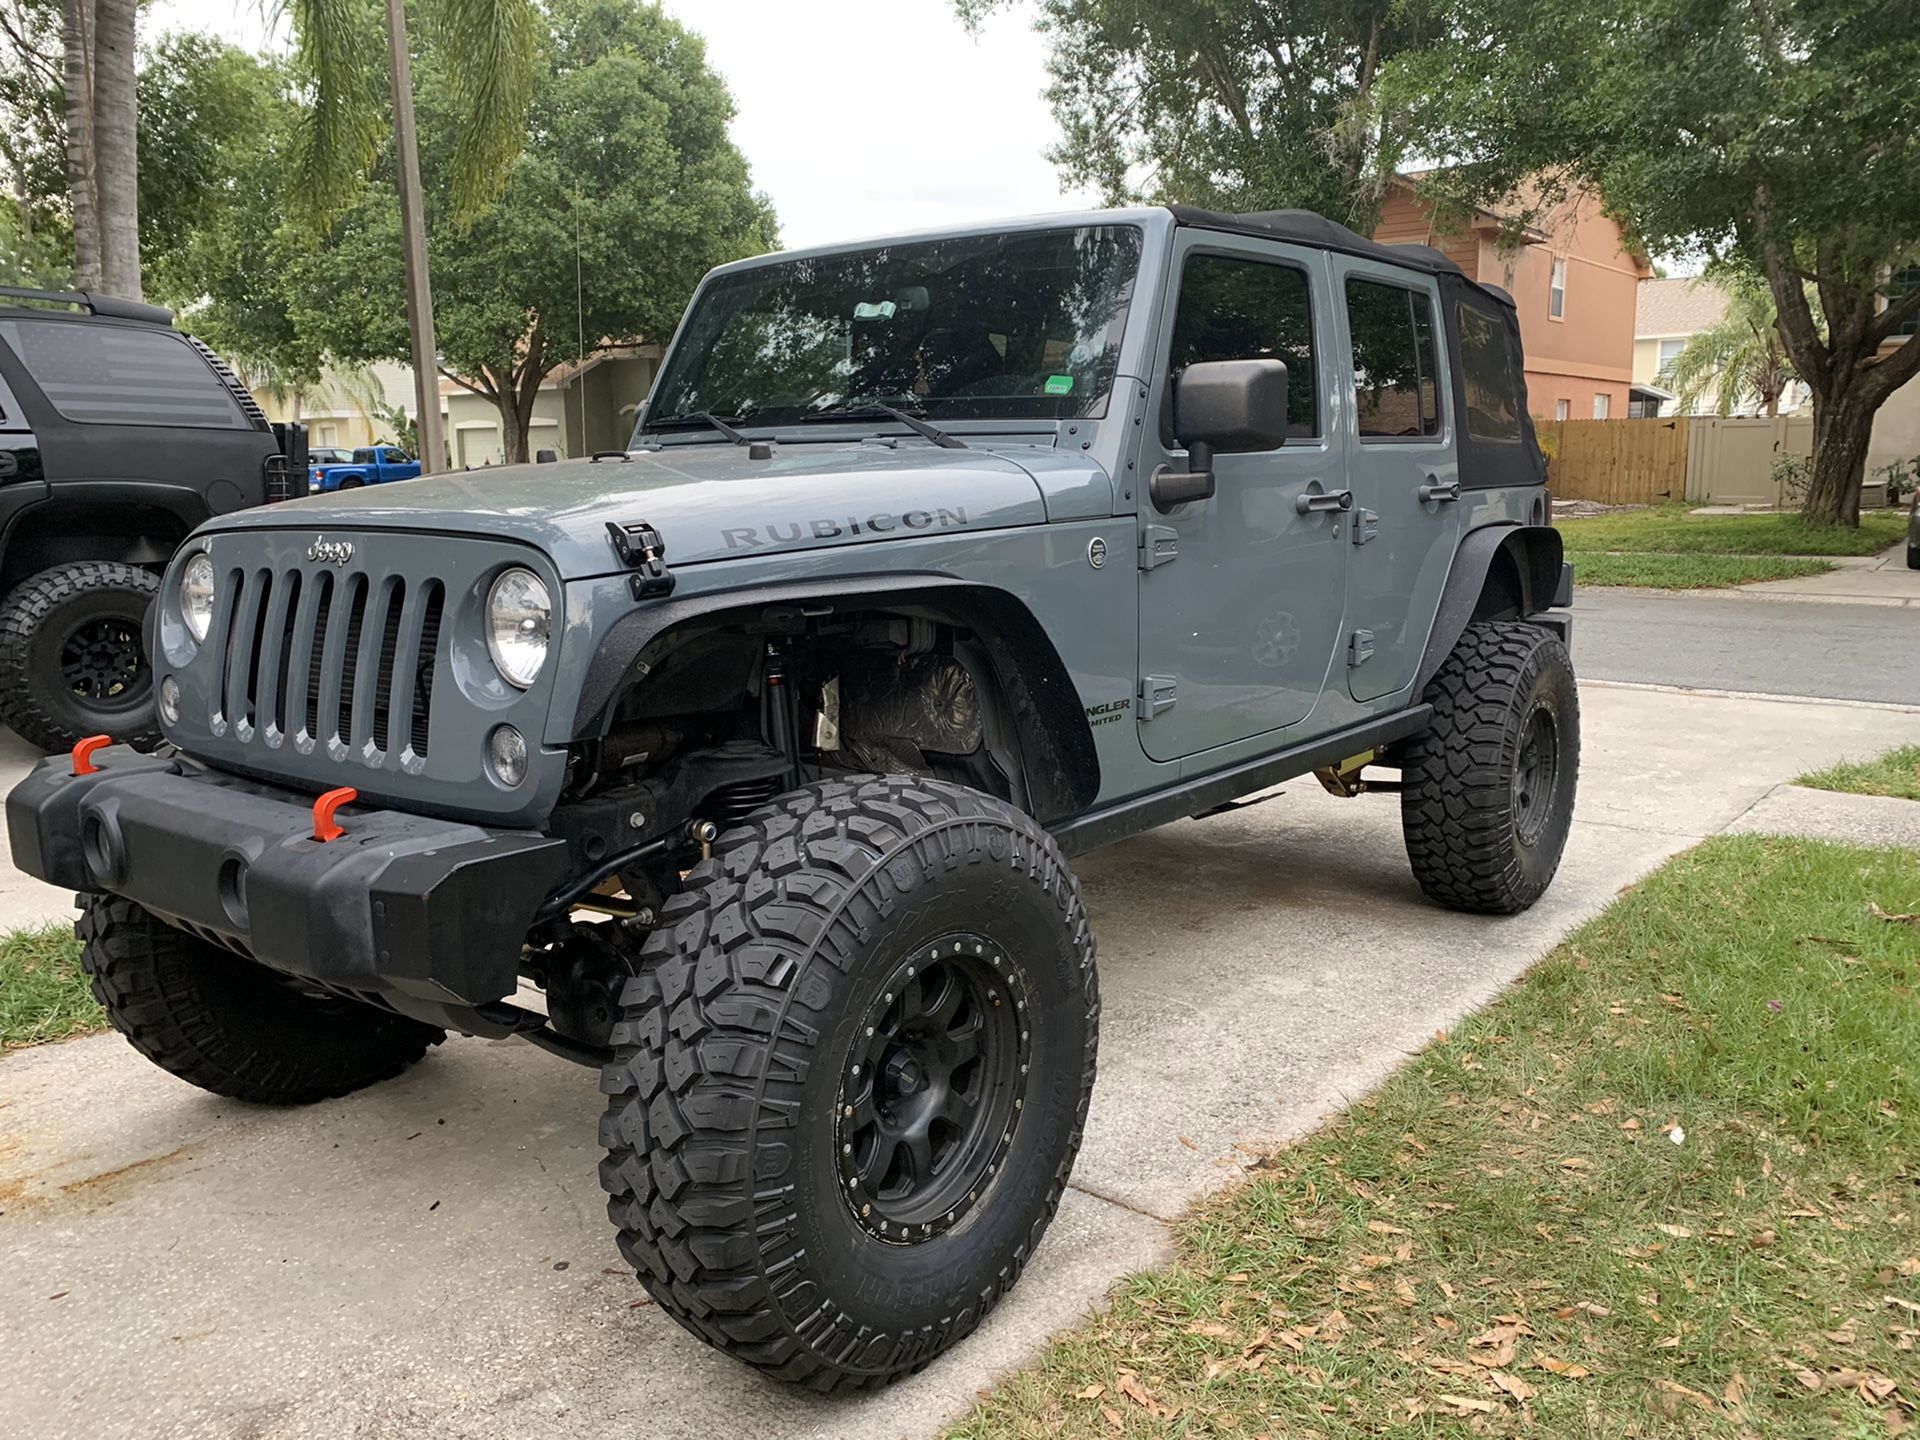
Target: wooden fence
{"x":1617,"y":462}
{"x":1706,"y":459}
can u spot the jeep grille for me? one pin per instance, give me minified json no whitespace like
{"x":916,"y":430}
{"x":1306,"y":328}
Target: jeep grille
{"x":341,"y":662}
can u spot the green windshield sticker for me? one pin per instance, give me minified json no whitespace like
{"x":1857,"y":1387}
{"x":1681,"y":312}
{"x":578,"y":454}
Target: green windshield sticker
{"x":1059,"y":384}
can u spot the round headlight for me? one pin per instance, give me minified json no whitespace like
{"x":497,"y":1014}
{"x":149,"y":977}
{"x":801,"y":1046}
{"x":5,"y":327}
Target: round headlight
{"x":170,"y":700}
{"x":519,"y":625}
{"x":196,"y":595}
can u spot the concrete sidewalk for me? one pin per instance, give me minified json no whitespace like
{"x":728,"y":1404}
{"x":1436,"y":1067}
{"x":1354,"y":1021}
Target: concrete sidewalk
{"x":433,"y":1255}
{"x":1882,"y":579}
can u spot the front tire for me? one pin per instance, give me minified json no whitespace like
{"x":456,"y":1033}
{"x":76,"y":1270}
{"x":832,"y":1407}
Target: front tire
{"x":228,"y":1025}
{"x":1487,"y":789}
{"x":72,"y":656}
{"x":851,"y":1081}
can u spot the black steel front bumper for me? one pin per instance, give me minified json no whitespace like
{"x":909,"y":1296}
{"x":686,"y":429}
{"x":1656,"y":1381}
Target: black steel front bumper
{"x":400,"y":905}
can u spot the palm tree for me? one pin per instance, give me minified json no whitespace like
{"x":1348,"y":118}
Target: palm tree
{"x":490,"y":47}
{"x":1739,"y":359}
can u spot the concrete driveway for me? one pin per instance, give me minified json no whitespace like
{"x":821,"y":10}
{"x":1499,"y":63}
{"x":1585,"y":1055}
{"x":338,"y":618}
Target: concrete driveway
{"x":432,"y":1256}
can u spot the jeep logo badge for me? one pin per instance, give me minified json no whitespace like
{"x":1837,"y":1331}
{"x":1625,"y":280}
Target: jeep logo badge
{"x":330,"y":552}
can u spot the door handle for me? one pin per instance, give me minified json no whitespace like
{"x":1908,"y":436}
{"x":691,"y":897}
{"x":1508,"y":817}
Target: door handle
{"x":1434,"y":490}
{"x":1306,"y":504}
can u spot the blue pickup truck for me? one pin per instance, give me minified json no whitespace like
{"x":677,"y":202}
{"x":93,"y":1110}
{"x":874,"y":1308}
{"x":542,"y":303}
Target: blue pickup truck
{"x":370,"y":465}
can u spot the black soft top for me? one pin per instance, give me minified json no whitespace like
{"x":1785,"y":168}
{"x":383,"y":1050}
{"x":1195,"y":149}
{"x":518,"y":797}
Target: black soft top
{"x":1304,"y":227}
{"x":1515,"y":460}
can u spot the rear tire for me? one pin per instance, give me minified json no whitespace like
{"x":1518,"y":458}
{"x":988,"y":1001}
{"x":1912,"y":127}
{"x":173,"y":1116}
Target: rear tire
{"x":230,"y":1026}
{"x":73,"y":657}
{"x":849,"y":1086}
{"x":1488,"y":787}
{"x":350,"y":484}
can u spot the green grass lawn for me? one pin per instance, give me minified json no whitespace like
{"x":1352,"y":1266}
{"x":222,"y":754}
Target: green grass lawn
{"x":1895,"y":773}
{"x":1686,"y":572}
{"x":1667,"y":1185}
{"x":43,"y":992}
{"x":1674,"y":530}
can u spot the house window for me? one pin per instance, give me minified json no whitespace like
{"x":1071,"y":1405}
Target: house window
{"x":1602,"y":402}
{"x":1670,"y":352}
{"x":1233,"y":309}
{"x":1557,"y":289}
{"x":1562,"y":409}
{"x":1395,"y":395}
{"x":1901,"y":283}
{"x":329,"y":435}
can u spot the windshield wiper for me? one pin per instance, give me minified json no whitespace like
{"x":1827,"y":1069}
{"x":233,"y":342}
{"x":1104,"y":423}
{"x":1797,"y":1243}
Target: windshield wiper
{"x":702,"y":417}
{"x":907,"y":418}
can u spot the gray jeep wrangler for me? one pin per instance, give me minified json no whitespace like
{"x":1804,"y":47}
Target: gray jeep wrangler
{"x":745,"y":764}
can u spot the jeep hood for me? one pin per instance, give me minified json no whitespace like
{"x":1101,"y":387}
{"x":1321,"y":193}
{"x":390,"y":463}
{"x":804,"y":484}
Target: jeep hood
{"x":710,"y":502}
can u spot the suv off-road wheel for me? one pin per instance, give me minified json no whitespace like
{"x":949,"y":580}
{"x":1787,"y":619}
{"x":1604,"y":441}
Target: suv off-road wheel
{"x":72,"y":659}
{"x":1487,"y":797}
{"x":852,"y":1078}
{"x":229,"y":1025}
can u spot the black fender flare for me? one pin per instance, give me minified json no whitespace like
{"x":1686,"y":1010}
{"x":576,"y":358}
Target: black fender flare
{"x":1024,"y":658}
{"x":1538,"y":557}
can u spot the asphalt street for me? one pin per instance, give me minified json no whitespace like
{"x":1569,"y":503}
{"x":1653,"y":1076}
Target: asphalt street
{"x":1767,"y":647}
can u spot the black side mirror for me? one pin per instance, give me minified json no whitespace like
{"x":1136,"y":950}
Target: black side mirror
{"x":1223,"y":407}
{"x":545,"y":457}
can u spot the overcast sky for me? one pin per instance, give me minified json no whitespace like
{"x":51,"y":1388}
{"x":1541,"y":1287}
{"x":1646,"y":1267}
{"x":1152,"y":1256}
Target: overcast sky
{"x":859,"y":117}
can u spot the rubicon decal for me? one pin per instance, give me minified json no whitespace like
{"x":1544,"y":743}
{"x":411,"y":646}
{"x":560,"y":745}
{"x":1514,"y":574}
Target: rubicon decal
{"x":884,"y":522}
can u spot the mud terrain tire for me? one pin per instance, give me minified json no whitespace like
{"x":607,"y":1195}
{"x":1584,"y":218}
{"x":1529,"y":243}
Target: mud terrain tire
{"x":1489,"y":785}
{"x":736,"y":1128}
{"x":231,"y":1026}
{"x":71,"y":627}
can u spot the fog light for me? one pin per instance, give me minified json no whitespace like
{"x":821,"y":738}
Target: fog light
{"x":170,"y":700}
{"x":507,"y":755}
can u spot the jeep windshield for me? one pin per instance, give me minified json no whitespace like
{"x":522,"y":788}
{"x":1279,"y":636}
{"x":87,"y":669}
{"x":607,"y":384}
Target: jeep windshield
{"x":1022,"y":326}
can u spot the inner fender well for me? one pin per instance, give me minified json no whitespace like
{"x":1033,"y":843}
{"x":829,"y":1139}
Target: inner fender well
{"x":1036,"y":694}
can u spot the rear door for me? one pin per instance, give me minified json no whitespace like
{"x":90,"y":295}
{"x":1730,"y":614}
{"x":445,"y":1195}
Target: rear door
{"x":1241,"y":595}
{"x":1402,"y":466}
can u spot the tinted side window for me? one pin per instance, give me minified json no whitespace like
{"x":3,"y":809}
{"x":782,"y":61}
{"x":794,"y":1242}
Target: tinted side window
{"x":121,"y":375}
{"x":1249,"y":310}
{"x":1395,"y":391}
{"x":1486,"y":372}
{"x":364,"y":457}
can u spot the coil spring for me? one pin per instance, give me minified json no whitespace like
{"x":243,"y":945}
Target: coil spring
{"x":731,"y":804}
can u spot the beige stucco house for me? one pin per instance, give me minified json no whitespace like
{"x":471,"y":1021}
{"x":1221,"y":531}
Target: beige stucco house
{"x":580,"y":408}
{"x":1671,"y":311}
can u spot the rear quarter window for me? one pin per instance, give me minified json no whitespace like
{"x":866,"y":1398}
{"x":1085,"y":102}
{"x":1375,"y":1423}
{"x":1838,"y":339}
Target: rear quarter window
{"x":1486,"y":374}
{"x":121,"y":375}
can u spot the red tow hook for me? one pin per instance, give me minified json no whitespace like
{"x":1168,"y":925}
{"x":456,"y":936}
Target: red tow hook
{"x":324,"y":826}
{"x":84,"y":751}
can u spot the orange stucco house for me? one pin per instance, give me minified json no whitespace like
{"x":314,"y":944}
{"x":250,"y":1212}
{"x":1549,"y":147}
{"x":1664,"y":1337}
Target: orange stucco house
{"x":1574,"y":278}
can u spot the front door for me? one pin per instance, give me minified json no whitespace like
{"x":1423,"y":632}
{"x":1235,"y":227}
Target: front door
{"x":1402,"y":467}
{"x":1241,"y":595}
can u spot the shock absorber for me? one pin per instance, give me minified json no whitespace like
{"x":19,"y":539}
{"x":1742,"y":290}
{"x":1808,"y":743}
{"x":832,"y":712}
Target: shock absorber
{"x":783,"y":714}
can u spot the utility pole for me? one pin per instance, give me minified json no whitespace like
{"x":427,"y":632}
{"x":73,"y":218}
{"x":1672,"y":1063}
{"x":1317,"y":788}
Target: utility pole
{"x":413,"y":245}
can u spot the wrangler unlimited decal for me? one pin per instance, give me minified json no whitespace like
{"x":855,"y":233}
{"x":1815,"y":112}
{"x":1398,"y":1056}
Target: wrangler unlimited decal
{"x":748,"y":537}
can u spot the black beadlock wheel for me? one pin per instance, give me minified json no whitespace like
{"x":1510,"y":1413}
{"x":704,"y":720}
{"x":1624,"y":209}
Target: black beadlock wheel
{"x":228,"y":1025}
{"x":1488,"y":787}
{"x":851,"y":1080}
{"x":72,"y":659}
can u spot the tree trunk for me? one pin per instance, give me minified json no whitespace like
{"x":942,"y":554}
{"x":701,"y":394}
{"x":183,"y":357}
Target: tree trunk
{"x":513,"y":426}
{"x":116,"y":147}
{"x":77,"y":78}
{"x":1842,"y":428}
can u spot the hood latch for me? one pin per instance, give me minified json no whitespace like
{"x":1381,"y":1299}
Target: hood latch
{"x":641,"y":550}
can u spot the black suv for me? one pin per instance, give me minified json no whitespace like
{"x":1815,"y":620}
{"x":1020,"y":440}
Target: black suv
{"x":118,"y":435}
